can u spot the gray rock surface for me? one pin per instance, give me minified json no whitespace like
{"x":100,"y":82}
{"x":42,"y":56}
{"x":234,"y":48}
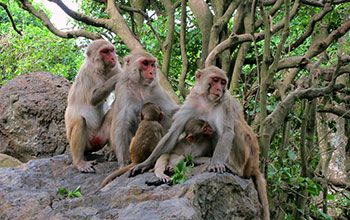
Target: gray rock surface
{"x":30,"y":192}
{"x":32,"y":110}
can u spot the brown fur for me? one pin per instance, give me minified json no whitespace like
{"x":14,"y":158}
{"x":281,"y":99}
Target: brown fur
{"x":148,"y":134}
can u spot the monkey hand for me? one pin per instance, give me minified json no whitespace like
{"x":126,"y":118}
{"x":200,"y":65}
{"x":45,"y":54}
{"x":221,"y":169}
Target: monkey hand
{"x":86,"y":166}
{"x":217,"y":168}
{"x":137,"y":169}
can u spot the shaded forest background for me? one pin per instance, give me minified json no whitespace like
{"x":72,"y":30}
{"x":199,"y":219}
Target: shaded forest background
{"x":288,"y":64}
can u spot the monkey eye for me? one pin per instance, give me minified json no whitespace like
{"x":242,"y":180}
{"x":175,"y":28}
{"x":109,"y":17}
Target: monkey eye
{"x":105,"y":51}
{"x":145,"y":62}
{"x":215,"y":79}
{"x":223,"y":82}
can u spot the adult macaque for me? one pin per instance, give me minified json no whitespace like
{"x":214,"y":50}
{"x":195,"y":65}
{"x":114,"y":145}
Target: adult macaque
{"x":147,"y":136}
{"x":197,"y":143}
{"x":236,"y":146}
{"x":87,"y":124}
{"x":138,"y":84}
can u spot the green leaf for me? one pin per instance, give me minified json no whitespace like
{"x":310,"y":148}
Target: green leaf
{"x":62,"y":191}
{"x":77,"y":194}
{"x":330,"y":197}
{"x":78,"y":189}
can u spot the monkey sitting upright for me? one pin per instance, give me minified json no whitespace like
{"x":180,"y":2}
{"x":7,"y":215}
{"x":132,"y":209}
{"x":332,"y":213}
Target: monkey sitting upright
{"x":197,"y":143}
{"x":147,"y":136}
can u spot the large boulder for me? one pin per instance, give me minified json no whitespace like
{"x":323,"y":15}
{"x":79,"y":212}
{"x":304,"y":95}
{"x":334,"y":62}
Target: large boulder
{"x":32,"y":116}
{"x":30,"y":192}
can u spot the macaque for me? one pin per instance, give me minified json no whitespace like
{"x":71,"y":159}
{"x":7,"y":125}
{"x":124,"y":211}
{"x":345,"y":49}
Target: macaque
{"x":87,"y":123}
{"x":138,"y":84}
{"x":147,"y":136}
{"x":197,"y":143}
{"x":236,"y":146}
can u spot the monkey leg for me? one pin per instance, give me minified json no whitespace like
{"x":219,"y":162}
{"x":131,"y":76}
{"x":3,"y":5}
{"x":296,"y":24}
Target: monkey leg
{"x":160,"y":168}
{"x":78,"y":142}
{"x":174,"y":159}
{"x":201,"y":160}
{"x":104,"y":133}
{"x":261,"y":187}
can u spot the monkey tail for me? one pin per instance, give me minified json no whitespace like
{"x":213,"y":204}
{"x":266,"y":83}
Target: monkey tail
{"x":115,"y":174}
{"x":261,"y":187}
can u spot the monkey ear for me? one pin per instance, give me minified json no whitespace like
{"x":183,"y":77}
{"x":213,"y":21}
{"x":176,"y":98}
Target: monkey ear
{"x":88,"y":53}
{"x":198,"y":74}
{"x":140,"y":117}
{"x":190,"y":138}
{"x":161,"y":116}
{"x":206,"y":129}
{"x":127,"y":60}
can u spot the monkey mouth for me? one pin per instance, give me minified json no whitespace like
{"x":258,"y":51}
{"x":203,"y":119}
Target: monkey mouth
{"x":149,"y":80}
{"x":214,"y":96}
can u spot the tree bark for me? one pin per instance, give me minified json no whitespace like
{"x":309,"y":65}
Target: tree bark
{"x":204,"y":19}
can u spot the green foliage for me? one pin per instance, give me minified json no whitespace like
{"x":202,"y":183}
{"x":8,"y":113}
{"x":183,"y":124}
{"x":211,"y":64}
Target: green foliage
{"x":37,"y":50}
{"x":70,"y":194}
{"x":181,"y":169}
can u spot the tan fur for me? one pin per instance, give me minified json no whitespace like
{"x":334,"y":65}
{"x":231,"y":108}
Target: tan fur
{"x":148,"y":134}
{"x":85,"y":116}
{"x":236,"y":146}
{"x":131,"y":92}
{"x":197,"y":143}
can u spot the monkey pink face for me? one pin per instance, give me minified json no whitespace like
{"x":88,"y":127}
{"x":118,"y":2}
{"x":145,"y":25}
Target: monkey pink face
{"x":108,"y":56}
{"x":216,"y":88}
{"x":148,"y":69}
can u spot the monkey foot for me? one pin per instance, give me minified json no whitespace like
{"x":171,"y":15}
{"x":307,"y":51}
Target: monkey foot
{"x":86,"y":166}
{"x":137,"y":169}
{"x":217,"y":168}
{"x":110,"y":156}
{"x":164,"y":178}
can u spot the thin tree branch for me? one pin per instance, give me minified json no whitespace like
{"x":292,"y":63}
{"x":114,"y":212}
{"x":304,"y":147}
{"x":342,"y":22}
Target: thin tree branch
{"x":181,"y":85}
{"x":26,"y":5}
{"x":308,"y":32}
{"x":235,"y":39}
{"x":118,"y":26}
{"x":11,"y":18}
{"x":335,"y":110}
{"x":148,"y":19}
{"x":80,"y":17}
{"x":321,"y":3}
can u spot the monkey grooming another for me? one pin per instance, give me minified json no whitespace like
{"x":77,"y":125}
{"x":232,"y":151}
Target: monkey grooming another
{"x":197,"y":143}
{"x":235,"y":145}
{"x":138,"y":84}
{"x":147,"y":136}
{"x":87,"y":124}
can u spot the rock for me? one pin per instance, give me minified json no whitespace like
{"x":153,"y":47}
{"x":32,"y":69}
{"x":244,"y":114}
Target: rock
{"x":8,"y":161}
{"x":30,"y":192}
{"x":32,"y":110}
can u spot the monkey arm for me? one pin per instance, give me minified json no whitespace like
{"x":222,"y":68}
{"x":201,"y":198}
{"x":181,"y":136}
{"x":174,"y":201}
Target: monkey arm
{"x":121,"y":133}
{"x":102,"y":92}
{"x":222,"y":150}
{"x":165,"y":145}
{"x":160,"y":167}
